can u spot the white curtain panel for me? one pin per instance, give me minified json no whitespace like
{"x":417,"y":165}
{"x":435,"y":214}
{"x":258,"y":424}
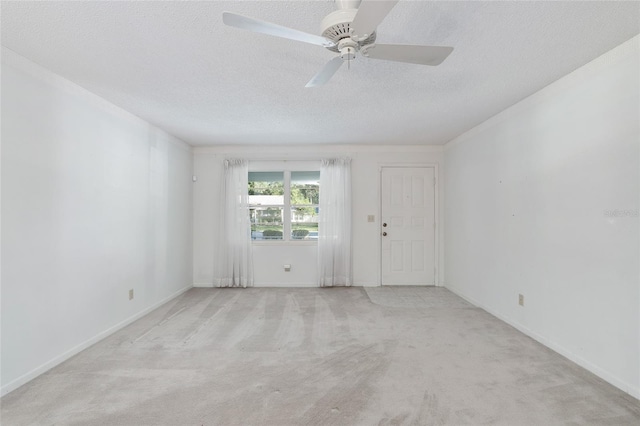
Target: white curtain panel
{"x":235,"y":260}
{"x":334,"y":228}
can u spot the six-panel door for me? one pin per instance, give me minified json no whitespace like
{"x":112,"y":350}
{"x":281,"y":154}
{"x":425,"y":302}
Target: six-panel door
{"x":408,"y":220}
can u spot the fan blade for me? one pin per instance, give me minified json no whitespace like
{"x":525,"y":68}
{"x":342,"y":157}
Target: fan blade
{"x":326,"y":72}
{"x":251,"y":24}
{"x":369,"y":15}
{"x":422,"y":55}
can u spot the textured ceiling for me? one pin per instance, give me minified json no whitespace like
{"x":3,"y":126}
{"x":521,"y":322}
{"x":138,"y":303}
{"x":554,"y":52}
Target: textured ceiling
{"x":177,"y":66}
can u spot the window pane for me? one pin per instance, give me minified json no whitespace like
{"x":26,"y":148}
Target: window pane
{"x":266,"y":188}
{"x":304,"y":223}
{"x":305,"y":188}
{"x":266,"y":223}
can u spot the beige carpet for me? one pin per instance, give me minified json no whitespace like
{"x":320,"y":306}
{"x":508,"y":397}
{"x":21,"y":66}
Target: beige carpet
{"x":380,"y":356}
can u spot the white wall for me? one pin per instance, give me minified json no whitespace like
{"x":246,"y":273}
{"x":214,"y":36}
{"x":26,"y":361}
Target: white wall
{"x":527,"y":199}
{"x":94,"y":202}
{"x":366,"y":162}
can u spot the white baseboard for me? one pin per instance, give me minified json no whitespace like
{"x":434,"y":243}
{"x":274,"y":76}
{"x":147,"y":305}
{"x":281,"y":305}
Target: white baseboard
{"x":203,"y":285}
{"x":281,"y":285}
{"x":264,"y":285}
{"x":303,"y":285}
{"x":300,"y":285}
{"x":620,"y":384}
{"x":366,"y":284}
{"x":15,"y":384}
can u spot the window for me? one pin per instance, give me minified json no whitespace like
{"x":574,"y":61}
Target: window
{"x":266,"y":205}
{"x":305,"y":194}
{"x":283,"y":205}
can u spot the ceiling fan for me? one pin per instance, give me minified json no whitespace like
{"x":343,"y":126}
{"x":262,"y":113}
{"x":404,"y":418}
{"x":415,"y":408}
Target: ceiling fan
{"x":348,"y":30}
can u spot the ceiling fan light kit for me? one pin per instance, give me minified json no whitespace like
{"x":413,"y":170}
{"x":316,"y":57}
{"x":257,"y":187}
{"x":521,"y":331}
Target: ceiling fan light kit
{"x":348,"y":30}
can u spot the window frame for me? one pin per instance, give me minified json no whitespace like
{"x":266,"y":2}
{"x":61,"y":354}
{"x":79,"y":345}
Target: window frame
{"x":285,"y":166}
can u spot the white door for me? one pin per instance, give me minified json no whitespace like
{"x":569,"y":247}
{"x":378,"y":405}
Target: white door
{"x":407,"y":227}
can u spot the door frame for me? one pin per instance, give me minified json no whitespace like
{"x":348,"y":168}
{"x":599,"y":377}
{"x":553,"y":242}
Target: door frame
{"x":436,"y":214}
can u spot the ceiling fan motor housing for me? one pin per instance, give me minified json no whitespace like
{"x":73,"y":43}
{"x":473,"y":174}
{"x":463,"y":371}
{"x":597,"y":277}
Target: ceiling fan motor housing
{"x":336,"y":26}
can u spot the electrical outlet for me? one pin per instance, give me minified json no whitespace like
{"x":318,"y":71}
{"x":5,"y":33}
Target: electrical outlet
{"x":371,"y":218}
{"x":130,"y":294}
{"x":520,"y":300}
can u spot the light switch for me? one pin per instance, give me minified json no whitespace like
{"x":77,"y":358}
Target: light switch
{"x":371,"y":218}
{"x":287,"y":268}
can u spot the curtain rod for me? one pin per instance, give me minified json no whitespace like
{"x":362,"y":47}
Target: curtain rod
{"x":293,"y":159}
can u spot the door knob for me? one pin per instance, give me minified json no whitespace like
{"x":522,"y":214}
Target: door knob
{"x":384,"y":234}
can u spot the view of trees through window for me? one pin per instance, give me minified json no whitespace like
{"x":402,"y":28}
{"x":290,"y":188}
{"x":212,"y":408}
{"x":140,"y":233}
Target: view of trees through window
{"x":278,"y":214}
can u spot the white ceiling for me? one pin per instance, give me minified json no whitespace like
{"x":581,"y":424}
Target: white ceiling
{"x":177,"y":66}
